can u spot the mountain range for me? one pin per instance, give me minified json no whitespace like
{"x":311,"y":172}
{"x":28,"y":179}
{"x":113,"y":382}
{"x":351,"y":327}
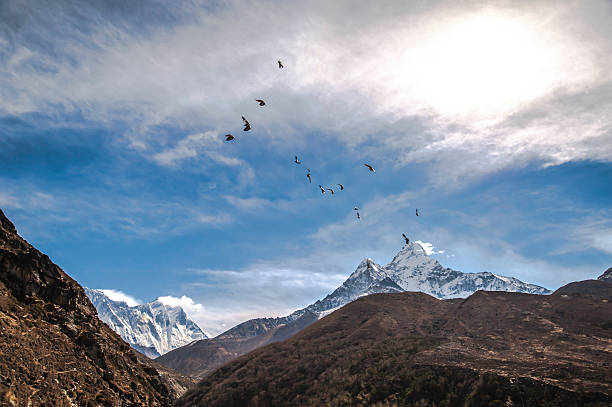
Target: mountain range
{"x":412,"y":349}
{"x":410,"y":270}
{"x":153,"y":328}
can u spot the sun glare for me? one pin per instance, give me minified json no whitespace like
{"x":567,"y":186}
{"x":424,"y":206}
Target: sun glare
{"x":479,"y":66}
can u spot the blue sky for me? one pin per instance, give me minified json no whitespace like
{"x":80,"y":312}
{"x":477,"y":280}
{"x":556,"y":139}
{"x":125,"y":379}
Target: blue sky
{"x":494,"y":120}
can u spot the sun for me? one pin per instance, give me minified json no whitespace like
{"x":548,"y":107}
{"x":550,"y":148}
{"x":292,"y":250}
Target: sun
{"x":481,"y":65}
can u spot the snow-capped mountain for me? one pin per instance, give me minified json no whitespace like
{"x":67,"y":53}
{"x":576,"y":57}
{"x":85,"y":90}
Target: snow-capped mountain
{"x":410,"y":270}
{"x":153,"y":328}
{"x":413,"y":270}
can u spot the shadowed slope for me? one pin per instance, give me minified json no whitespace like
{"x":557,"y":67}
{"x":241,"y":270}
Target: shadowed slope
{"x":492,"y":348}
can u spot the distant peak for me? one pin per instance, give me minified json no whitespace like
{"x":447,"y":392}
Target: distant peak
{"x":606,"y":276}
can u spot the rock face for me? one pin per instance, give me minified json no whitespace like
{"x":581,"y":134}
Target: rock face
{"x":491,"y":349}
{"x":606,"y":276}
{"x":53,"y":348}
{"x":152,"y":328}
{"x":410,"y":270}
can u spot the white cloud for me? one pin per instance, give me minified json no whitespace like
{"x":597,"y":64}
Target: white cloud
{"x":429,"y":248}
{"x":117,"y":295}
{"x":495,"y":84}
{"x":189,"y":147}
{"x":195,"y":311}
{"x":8,"y":201}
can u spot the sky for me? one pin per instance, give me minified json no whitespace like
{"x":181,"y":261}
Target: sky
{"x":494,"y":119}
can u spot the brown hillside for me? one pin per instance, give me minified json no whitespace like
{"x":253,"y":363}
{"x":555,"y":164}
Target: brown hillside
{"x":202,"y":357}
{"x":53,"y":348}
{"x":491,"y":349}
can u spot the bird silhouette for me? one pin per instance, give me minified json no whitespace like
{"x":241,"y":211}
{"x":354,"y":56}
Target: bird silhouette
{"x":247,"y":125}
{"x":331,"y":190}
{"x":297,"y":161}
{"x":261,"y":102}
{"x":341,"y":187}
{"x":322,"y":190}
{"x":417,"y":212}
{"x":308,"y":176}
{"x":358,"y":217}
{"x":280,"y":65}
{"x":370,"y":167}
{"x":406,"y":239}
{"x":356,"y":209}
{"x":229,"y":137}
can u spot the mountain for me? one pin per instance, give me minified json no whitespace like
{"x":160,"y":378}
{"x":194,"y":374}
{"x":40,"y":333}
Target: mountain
{"x":606,"y":276}
{"x":153,"y":328}
{"x":602,"y":287}
{"x":410,"y":270}
{"x":490,"y":349}
{"x":200,"y":358}
{"x":53,"y":348}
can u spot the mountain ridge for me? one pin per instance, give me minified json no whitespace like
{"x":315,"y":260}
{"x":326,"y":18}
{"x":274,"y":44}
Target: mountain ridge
{"x":493,"y":348}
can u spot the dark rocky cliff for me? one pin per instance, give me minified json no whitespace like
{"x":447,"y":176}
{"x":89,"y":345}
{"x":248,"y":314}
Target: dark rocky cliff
{"x":53,"y":348}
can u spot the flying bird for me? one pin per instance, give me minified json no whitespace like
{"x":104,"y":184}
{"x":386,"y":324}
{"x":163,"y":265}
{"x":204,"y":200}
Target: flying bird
{"x":322,"y":190}
{"x":358,"y":217}
{"x":406,"y":239}
{"x":298,"y":161}
{"x":261,"y":102}
{"x":341,"y":187}
{"x":417,"y":212}
{"x":308,"y":176}
{"x":280,"y":65}
{"x":356,"y":209}
{"x":247,"y":125}
{"x":332,"y":191}
{"x":229,"y":137}
{"x":370,"y":167}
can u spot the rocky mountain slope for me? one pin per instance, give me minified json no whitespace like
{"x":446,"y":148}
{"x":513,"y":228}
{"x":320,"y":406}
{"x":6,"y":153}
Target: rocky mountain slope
{"x":410,"y":270}
{"x":493,"y":349}
{"x":606,"y":276}
{"x":152,"y":328}
{"x":54,"y":349}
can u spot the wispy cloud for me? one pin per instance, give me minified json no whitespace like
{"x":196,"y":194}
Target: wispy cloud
{"x":459,"y":68}
{"x":139,"y":217}
{"x":189,"y":147}
{"x":117,"y":295}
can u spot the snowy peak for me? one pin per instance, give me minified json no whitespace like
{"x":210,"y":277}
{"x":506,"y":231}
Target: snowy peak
{"x":413,"y":270}
{"x":367,"y":275}
{"x":153,"y":328}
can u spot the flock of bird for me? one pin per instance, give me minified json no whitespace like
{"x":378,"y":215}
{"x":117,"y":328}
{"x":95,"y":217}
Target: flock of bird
{"x":247,"y":127}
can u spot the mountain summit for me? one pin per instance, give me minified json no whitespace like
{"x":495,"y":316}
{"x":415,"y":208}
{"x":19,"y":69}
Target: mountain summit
{"x":153,"y":328}
{"x":413,"y":270}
